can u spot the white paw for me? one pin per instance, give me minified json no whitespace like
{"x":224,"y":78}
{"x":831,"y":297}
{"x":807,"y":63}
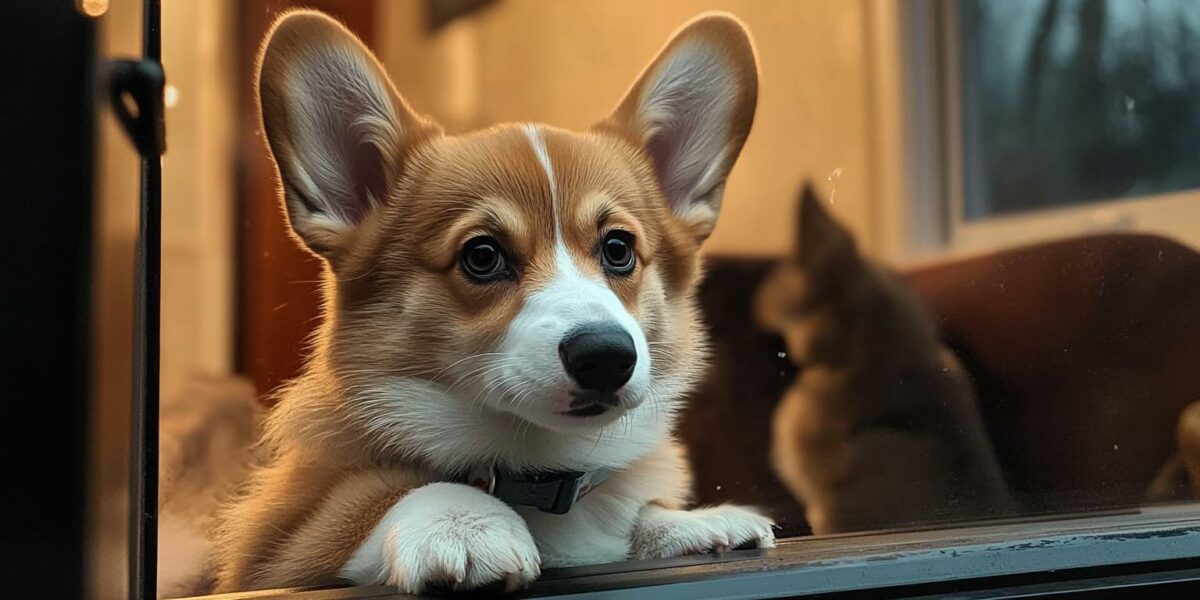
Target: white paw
{"x":662,"y":532}
{"x":447,"y":534}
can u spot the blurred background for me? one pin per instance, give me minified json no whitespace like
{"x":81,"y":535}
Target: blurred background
{"x":934,"y":130}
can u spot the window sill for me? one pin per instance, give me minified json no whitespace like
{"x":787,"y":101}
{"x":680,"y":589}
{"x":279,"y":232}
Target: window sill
{"x":1147,"y":547}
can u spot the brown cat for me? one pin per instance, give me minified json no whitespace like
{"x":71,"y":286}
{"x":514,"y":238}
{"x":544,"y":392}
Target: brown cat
{"x":881,"y":427}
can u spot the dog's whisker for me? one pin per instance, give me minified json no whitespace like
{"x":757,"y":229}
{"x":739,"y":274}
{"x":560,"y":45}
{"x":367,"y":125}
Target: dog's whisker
{"x":491,"y":387}
{"x":467,"y":358}
{"x":483,"y":371}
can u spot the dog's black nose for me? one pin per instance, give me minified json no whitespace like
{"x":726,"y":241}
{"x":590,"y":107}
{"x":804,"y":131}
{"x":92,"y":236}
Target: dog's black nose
{"x":599,"y":358}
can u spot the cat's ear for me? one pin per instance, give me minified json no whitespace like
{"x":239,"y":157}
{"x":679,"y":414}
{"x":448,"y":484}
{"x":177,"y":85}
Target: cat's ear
{"x":824,"y":257}
{"x":821,"y":242}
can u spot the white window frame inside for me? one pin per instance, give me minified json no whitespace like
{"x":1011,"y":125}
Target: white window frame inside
{"x":917,"y":112}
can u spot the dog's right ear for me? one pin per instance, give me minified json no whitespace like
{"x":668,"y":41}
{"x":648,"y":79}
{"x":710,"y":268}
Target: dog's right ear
{"x":821,"y":241}
{"x":690,"y":112}
{"x":336,"y":126}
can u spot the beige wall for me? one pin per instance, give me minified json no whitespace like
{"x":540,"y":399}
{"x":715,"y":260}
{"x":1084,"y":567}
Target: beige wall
{"x":198,"y":188}
{"x":567,"y":63}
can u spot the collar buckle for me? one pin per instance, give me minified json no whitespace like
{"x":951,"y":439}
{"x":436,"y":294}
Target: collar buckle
{"x":554,"y":492}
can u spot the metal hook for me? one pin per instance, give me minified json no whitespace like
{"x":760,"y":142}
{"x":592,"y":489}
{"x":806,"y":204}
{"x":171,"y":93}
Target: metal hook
{"x":143,"y":82}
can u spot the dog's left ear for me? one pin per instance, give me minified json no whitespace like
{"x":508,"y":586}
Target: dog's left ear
{"x":691,"y":111}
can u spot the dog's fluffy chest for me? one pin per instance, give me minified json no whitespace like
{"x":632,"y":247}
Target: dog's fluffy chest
{"x":598,"y":528}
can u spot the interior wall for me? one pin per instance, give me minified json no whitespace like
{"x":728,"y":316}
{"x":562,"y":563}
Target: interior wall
{"x":568,"y":64}
{"x":279,"y":300}
{"x":198,"y":188}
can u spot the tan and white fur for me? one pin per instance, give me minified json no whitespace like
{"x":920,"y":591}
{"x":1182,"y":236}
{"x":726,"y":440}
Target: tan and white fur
{"x":421,"y":372}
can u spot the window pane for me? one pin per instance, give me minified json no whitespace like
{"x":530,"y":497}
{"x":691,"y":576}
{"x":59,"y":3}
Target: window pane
{"x":1073,"y":101}
{"x":382,"y":326}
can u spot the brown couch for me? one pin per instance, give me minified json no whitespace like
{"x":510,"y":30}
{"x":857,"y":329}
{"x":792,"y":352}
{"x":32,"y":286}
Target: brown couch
{"x":1084,"y":352}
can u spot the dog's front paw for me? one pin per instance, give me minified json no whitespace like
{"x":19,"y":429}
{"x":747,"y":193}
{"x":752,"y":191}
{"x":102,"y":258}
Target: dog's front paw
{"x":663,"y":532}
{"x":447,"y":534}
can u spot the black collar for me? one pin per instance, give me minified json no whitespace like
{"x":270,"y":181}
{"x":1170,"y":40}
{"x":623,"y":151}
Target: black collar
{"x":554,"y":492}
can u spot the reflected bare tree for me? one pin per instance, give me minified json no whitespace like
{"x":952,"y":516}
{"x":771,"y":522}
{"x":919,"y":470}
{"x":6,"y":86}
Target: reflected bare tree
{"x":1106,"y":102}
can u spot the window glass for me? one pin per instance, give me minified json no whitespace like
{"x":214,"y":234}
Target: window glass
{"x":455,"y":293}
{"x":1069,"y":102}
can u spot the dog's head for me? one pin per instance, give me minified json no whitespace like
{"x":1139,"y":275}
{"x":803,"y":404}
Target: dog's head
{"x":523,"y":270}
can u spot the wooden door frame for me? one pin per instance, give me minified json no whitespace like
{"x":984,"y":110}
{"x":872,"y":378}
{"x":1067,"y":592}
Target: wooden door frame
{"x":278,"y":283}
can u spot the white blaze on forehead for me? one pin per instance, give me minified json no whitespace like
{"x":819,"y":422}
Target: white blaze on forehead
{"x":562,"y":258}
{"x":539,"y":149}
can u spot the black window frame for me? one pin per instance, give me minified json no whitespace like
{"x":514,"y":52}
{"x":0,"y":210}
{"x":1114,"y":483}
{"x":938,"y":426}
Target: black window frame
{"x":47,"y":62}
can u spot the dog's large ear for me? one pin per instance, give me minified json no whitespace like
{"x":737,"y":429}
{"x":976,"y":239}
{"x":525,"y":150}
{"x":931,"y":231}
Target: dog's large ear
{"x":691,"y":111}
{"x":821,"y":242}
{"x":337,"y":128}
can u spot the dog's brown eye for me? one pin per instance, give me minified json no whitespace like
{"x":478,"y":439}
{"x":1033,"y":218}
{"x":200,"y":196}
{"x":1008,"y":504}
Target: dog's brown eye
{"x":616,"y":252}
{"x":483,"y":260}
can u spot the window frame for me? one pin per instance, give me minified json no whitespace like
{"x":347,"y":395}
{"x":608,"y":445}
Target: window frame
{"x":925,"y":139}
{"x":1054,"y":555}
{"x":1064,"y":554}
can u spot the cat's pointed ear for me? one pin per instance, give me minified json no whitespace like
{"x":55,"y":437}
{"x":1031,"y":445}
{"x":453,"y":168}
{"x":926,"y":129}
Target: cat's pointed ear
{"x":690,"y":111}
{"x":820,"y":240}
{"x":336,"y":126}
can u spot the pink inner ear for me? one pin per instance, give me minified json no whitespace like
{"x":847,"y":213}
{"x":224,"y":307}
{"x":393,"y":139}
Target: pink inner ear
{"x":686,"y":111}
{"x":348,"y":167}
{"x":663,"y":149}
{"x":370,"y":181}
{"x":341,"y":123}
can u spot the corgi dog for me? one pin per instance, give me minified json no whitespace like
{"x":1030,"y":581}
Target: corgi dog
{"x":509,"y":327}
{"x":881,"y":427}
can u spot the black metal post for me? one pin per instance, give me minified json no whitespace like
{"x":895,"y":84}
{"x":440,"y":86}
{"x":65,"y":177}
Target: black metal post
{"x":143,"y":542}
